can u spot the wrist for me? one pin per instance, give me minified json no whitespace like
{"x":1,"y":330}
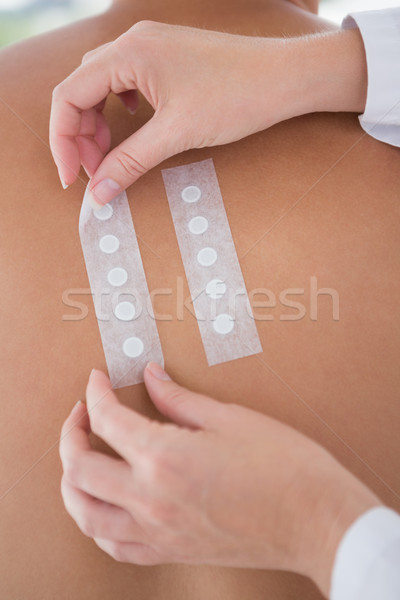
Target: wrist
{"x":331,"y":72}
{"x":339,"y":500}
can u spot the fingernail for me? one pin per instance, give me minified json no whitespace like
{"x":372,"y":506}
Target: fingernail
{"x":157,"y":371}
{"x":92,"y":372}
{"x":103,"y":192}
{"x":65,"y":186}
{"x":76,"y":405}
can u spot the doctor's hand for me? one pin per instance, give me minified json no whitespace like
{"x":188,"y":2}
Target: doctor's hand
{"x":206,"y":88}
{"x":221,"y":485}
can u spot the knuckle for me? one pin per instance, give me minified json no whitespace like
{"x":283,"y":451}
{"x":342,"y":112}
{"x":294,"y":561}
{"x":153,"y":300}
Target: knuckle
{"x":160,"y":457}
{"x":72,"y":471}
{"x":155,"y":465}
{"x":87,"y":56}
{"x":62,"y":450}
{"x":163,"y":513}
{"x":164,"y":455}
{"x":85,"y":520}
{"x":177,"y":397}
{"x":65,"y":495}
{"x":169,"y":461}
{"x":63,"y":483}
{"x":132,"y":167}
{"x":86,"y":526}
{"x":143,"y":25}
{"x":106,"y":422}
{"x":95,"y":52}
{"x":116,"y":550}
{"x":98,"y":419}
{"x":57,"y":92}
{"x":96,"y":425}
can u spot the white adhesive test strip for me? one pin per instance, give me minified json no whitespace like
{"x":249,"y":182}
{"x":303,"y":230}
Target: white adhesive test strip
{"x":216,"y":284}
{"x":121,"y":298}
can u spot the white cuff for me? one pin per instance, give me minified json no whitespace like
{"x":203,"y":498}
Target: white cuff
{"x":367,"y":562}
{"x":380,"y":30}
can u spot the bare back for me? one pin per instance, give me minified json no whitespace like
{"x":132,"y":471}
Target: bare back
{"x":310,"y":198}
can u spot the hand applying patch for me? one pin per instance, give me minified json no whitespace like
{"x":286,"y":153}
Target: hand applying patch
{"x":221,"y":484}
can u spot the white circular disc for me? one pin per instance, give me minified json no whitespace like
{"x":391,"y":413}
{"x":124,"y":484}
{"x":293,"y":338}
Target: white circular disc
{"x":191,"y":193}
{"x":117,"y":276}
{"x":104,"y":213}
{"x":125,"y":311}
{"x":109,"y":244}
{"x":207,"y":257}
{"x":133,"y":347}
{"x":198,"y":225}
{"x":215,"y":288}
{"x":223,"y":324}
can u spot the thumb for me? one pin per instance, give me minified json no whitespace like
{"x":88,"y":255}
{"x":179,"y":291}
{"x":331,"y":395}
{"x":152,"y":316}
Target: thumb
{"x":136,"y":155}
{"x":180,"y":405}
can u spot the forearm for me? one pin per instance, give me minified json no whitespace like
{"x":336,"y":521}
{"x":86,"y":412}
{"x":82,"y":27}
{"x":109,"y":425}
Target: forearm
{"x":335,"y":71}
{"x":316,"y":73}
{"x":339,"y":498}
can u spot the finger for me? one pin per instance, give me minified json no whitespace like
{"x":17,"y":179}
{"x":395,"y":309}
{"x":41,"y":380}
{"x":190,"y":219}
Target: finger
{"x":125,"y":430}
{"x":103,"y":133}
{"x":106,"y":478}
{"x":89,"y":151}
{"x":78,"y":418}
{"x":94,"y":125}
{"x":84,"y":89}
{"x":97,"y":474}
{"x":93,"y":141}
{"x":92,"y":53}
{"x":100,"y":106}
{"x":90,"y":154}
{"x":96,"y":518}
{"x":180,"y":404}
{"x":146,"y":148}
{"x":130,"y":100}
{"x":138,"y":554}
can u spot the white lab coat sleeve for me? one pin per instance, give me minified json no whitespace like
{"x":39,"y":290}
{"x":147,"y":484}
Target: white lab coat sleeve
{"x":367,"y":561}
{"x":380,"y":30}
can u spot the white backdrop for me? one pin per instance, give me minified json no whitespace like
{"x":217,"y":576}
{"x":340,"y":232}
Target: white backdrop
{"x":335,"y":10}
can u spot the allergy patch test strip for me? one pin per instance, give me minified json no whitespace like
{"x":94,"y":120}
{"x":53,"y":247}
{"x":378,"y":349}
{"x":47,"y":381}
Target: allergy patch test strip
{"x":121,"y":298}
{"x":216,"y":284}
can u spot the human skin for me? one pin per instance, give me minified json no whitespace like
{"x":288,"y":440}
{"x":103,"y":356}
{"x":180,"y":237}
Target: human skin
{"x":334,"y":381}
{"x":246,"y":92}
{"x":207,"y":489}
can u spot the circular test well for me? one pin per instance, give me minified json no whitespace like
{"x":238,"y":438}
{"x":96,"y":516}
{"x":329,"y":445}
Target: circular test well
{"x":191,"y":193}
{"x":215,"y":288}
{"x":207,"y":257}
{"x":133,"y":347}
{"x":109,"y":244}
{"x":198,"y":225}
{"x":117,"y":276}
{"x":104,"y":213}
{"x":223,"y":324}
{"x":125,"y":311}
